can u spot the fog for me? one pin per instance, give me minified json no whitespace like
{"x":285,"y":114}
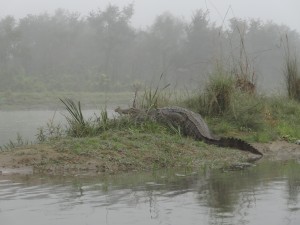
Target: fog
{"x":111,"y":45}
{"x":146,"y":11}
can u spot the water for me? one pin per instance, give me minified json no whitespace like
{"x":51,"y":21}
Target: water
{"x":265,"y":194}
{"x":25,"y":123}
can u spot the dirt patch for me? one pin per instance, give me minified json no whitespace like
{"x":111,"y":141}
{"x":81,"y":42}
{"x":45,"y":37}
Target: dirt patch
{"x":45,"y":159}
{"x":279,"y":150}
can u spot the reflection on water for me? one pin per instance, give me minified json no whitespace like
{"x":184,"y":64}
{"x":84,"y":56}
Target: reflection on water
{"x":264,"y":194}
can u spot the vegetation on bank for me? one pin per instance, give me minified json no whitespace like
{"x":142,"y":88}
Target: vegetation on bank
{"x":250,"y":116}
{"x":105,"y":145}
{"x":229,"y":102}
{"x":142,"y":147}
{"x":110,"y":145}
{"x":230,"y":105}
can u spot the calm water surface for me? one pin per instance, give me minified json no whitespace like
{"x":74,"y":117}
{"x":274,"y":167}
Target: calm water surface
{"x":26,"y":122}
{"x":264,"y":194}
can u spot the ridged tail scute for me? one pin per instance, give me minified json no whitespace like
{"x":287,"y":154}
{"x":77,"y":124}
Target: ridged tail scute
{"x":238,"y":144}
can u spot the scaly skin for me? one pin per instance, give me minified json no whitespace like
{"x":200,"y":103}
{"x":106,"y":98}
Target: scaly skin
{"x":192,"y":124}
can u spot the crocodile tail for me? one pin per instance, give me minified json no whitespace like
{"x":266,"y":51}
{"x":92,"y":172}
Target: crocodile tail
{"x":238,"y":144}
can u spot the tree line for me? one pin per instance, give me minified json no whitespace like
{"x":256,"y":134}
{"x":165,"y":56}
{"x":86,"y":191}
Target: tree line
{"x":104,"y":52}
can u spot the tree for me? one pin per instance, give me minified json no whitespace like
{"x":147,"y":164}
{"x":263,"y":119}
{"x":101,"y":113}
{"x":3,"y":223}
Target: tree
{"x":113,"y":36}
{"x":9,"y":40}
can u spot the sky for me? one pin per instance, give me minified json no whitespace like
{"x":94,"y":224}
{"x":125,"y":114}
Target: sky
{"x":279,"y":11}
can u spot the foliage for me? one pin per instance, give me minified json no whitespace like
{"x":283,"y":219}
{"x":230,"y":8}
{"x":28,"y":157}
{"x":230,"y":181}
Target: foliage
{"x":145,"y":146}
{"x":257,"y":117}
{"x":216,"y":97}
{"x":50,"y":131}
{"x":284,"y":117}
{"x":243,"y":70}
{"x":78,"y":126}
{"x":260,"y":119}
{"x":246,"y":111}
{"x":218,"y":93}
{"x":102,"y":51}
{"x":232,"y":111}
{"x":152,"y":99}
{"x":14,"y":144}
{"x":291,"y":72}
{"x":74,"y":111}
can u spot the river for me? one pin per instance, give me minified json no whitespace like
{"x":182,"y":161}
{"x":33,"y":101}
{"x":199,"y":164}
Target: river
{"x":267,"y":193}
{"x":25,"y":123}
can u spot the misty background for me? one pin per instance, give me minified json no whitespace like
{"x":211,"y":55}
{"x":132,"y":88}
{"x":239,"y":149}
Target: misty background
{"x":107,"y":50}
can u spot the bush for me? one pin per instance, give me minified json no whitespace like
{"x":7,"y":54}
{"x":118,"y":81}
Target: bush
{"x":216,"y":98}
{"x":219,"y":93}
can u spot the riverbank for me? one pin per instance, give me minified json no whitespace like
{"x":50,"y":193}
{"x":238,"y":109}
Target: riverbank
{"x":120,"y":151}
{"x":107,"y":146}
{"x":132,"y":150}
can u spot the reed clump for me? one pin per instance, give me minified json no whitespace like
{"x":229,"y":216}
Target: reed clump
{"x":292,"y":77}
{"x":291,"y":73}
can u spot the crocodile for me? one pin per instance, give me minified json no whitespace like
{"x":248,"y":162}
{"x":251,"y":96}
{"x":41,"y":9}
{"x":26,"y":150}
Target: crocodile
{"x":191,"y":124}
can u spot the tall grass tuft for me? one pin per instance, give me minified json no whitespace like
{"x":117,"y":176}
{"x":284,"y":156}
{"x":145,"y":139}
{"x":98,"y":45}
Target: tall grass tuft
{"x":153,"y":98}
{"x":75,"y":111}
{"x":103,"y":121}
{"x":216,"y":97}
{"x":14,"y":144}
{"x":243,"y":70}
{"x":219,"y":92}
{"x":77,"y":125}
{"x":292,"y":81}
{"x":224,"y":102}
{"x":292,"y":78}
{"x":291,"y":73}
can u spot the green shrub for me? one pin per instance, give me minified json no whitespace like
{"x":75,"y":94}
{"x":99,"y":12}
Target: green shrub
{"x":218,"y":93}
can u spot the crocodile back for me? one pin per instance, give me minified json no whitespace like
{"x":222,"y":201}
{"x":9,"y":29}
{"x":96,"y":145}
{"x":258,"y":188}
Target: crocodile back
{"x":192,"y":123}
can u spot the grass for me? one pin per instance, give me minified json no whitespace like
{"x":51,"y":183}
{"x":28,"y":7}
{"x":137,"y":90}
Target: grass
{"x":216,"y":97}
{"x":126,"y":144}
{"x":266,"y":119}
{"x":123,"y":144}
{"x":75,"y":112}
{"x":152,"y":98}
{"x":284,"y":118}
{"x":146,"y":147}
{"x":20,"y":142}
{"x":291,"y":73}
{"x":231,"y":111}
{"x":229,"y":103}
{"x":218,"y":93}
{"x":240,"y":114}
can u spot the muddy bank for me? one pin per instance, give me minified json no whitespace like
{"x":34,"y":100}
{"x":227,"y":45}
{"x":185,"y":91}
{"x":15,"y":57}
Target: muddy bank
{"x":279,"y":150}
